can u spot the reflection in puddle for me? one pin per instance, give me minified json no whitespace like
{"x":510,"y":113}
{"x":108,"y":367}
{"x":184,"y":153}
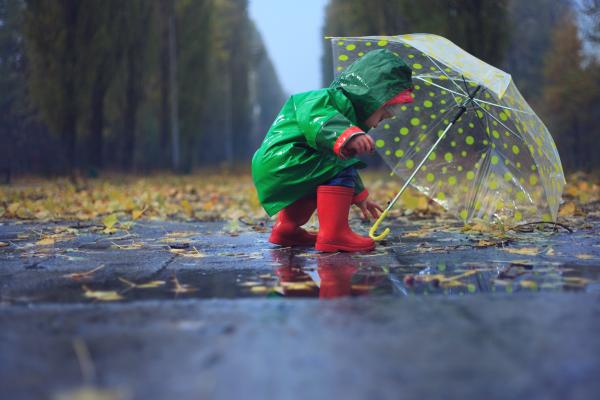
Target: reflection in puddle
{"x":335,"y":275}
{"x":294,"y":273}
{"x":344,"y":274}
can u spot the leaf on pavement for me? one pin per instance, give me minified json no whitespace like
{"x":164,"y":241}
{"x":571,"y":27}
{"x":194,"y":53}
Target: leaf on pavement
{"x":147,"y":285}
{"x":568,"y":210}
{"x":83,"y":275}
{"x":47,"y":241}
{"x":101,"y":295}
{"x":527,"y":251}
{"x":585,"y":256}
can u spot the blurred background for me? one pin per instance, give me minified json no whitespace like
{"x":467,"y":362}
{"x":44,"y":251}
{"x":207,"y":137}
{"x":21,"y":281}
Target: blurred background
{"x":94,"y":86}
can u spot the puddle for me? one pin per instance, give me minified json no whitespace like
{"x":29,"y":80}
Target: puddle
{"x":293,"y":273}
{"x":443,"y":263}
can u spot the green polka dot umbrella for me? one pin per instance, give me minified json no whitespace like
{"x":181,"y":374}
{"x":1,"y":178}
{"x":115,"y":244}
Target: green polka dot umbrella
{"x":469,"y":141}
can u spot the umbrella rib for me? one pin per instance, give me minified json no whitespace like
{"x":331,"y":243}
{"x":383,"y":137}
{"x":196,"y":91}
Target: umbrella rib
{"x":500,"y":122}
{"x":439,"y":86}
{"x":505,"y":107}
{"x":444,"y":72}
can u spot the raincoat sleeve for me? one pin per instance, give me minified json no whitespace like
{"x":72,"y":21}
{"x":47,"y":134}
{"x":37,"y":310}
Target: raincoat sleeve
{"x":324,"y":127}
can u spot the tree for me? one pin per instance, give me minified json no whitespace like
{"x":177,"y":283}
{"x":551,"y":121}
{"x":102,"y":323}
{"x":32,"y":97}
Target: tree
{"x":571,"y":92}
{"x":50,"y":30}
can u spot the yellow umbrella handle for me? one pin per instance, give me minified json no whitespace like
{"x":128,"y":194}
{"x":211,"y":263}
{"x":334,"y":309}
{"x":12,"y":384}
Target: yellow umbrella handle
{"x":376,"y":226}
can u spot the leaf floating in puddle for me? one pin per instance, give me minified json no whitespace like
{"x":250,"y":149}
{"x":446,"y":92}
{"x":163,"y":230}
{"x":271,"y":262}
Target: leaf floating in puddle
{"x":47,"y":241}
{"x":194,"y":253}
{"x":529,"y":284}
{"x":91,"y":393}
{"x":584,"y":256}
{"x":259,"y":289}
{"x":4,"y":244}
{"x":180,"y":287}
{"x":147,"y":285}
{"x":572,"y":280}
{"x":526,"y":251}
{"x":83,"y":275}
{"x":102,"y":295}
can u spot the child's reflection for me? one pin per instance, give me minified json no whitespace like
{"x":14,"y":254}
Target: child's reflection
{"x":337,"y":275}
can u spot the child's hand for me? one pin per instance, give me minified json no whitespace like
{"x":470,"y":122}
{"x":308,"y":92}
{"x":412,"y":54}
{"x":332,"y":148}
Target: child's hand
{"x":368,"y":206}
{"x":358,"y":145}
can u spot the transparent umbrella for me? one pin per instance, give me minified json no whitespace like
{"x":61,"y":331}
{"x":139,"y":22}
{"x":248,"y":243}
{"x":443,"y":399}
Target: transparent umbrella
{"x":469,"y":141}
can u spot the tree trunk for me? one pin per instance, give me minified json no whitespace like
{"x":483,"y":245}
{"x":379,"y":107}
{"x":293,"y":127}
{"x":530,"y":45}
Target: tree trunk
{"x":165,"y":7}
{"x":69,"y":120}
{"x":132,"y":99}
{"x":174,"y":111}
{"x":96,"y":142}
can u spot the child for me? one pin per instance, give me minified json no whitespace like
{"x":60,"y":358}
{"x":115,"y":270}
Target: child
{"x":307,"y":160}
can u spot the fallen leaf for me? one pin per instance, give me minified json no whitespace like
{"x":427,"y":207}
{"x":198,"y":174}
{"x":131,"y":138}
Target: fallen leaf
{"x":91,"y":393}
{"x":102,"y":295}
{"x":110,"y":221}
{"x":147,"y":285}
{"x":47,"y":241}
{"x":567,"y":210}
{"x":259,"y":289}
{"x":4,"y":244}
{"x":584,"y":256}
{"x":181,"y":288}
{"x":528,"y":284}
{"x":527,"y":251}
{"x":82,"y":275}
{"x":572,"y":280}
{"x":136,"y":214}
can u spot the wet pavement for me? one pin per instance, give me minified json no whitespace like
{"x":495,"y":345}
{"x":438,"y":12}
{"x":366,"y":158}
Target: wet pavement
{"x":197,"y":310}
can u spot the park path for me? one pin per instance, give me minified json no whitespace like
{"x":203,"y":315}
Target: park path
{"x":210,"y":310}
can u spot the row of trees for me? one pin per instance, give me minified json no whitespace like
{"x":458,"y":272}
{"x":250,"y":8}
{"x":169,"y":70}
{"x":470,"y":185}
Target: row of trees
{"x":540,"y":42}
{"x":139,"y":84}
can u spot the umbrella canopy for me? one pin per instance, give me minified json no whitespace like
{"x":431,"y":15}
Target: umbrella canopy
{"x":498,"y":161}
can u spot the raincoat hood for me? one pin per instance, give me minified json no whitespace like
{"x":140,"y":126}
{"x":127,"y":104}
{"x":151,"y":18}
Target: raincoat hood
{"x":372,"y":80}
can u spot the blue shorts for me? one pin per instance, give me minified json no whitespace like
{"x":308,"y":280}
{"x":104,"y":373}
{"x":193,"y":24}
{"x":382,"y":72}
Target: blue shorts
{"x":348,"y":177}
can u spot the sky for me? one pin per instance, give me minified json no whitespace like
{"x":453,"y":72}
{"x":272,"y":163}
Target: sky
{"x":292,"y":32}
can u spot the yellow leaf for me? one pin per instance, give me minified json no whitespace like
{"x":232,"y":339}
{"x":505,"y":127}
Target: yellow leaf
{"x":528,"y":284}
{"x":187,"y":208}
{"x":147,"y":285}
{"x":47,"y":241}
{"x":180,"y":287}
{"x":568,"y":210}
{"x":527,"y":251}
{"x":151,"y":284}
{"x":3,"y":244}
{"x":110,"y":221}
{"x":83,"y":275}
{"x":262,"y":289}
{"x":91,"y":393}
{"x":102,"y":295}
{"x":135,"y":214}
{"x":572,"y":280}
{"x":13,"y":207}
{"x":584,"y":256}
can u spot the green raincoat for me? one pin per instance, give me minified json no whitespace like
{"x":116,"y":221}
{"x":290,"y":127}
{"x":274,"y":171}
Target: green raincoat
{"x":303,"y":148}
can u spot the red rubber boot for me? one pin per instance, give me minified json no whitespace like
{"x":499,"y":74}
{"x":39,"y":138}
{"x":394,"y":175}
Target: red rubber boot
{"x":333,"y":206}
{"x":287,"y":231}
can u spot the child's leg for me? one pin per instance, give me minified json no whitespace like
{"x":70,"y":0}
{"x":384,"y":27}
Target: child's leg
{"x":287,"y":231}
{"x":334,"y":199}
